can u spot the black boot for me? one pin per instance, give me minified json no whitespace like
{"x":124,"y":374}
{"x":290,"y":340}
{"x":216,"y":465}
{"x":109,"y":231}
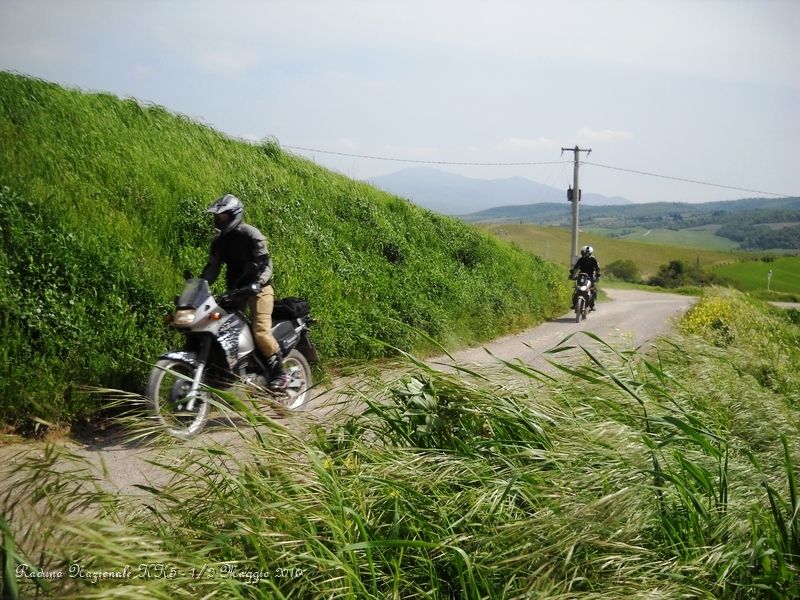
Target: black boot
{"x":278,"y":379}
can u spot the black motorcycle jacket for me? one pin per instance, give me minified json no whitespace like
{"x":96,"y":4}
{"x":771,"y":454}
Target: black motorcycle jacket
{"x":588,"y":265}
{"x":243,"y":250}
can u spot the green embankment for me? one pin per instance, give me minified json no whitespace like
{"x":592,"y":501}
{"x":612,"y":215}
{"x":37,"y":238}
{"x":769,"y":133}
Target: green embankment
{"x":101,"y":208}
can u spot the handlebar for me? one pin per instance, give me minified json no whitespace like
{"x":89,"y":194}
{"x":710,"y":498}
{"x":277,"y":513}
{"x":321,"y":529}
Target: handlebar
{"x":234,"y":298}
{"x":572,"y":277}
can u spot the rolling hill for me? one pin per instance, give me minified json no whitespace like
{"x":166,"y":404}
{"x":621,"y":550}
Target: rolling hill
{"x":452,"y":194}
{"x":753,"y":223}
{"x":630,"y":214}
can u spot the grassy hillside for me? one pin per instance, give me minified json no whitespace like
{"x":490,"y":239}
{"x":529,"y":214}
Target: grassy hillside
{"x":101,"y":207}
{"x":555,"y":244}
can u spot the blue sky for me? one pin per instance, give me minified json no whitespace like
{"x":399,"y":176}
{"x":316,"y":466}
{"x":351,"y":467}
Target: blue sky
{"x":706,"y":90}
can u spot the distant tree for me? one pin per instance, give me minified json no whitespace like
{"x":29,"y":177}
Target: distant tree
{"x":624,"y":269}
{"x":671,"y":275}
{"x":677,"y":274}
{"x":764,"y":238}
{"x":750,"y":228}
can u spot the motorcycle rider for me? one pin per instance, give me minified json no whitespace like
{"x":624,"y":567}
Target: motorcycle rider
{"x":243,"y":250}
{"x":587,"y":264}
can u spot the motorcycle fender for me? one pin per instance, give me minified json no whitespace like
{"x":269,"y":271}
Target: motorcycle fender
{"x":190,"y":358}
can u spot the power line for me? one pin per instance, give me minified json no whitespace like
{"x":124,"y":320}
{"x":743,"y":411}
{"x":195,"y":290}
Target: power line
{"x":525,"y":164}
{"x":727,"y":187}
{"x":428,"y":162}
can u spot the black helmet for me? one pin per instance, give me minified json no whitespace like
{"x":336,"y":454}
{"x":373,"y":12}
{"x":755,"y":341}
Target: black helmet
{"x":587,"y":251}
{"x":227,"y":205}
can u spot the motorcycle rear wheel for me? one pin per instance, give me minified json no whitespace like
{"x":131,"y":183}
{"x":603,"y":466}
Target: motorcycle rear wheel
{"x":300,"y":381}
{"x":169,"y":383}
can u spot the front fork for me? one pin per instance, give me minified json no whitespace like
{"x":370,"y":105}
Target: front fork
{"x":202,"y":359}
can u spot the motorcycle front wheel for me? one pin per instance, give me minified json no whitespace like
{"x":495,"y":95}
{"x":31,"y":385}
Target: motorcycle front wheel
{"x":170,"y":382}
{"x":300,"y":382}
{"x":580,"y":309}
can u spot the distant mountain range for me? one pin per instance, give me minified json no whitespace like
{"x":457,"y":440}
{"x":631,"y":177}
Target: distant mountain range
{"x":452,"y":194}
{"x":675,"y":215}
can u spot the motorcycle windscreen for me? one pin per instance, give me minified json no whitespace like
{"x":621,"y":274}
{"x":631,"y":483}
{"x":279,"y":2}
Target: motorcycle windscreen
{"x":195,"y":292}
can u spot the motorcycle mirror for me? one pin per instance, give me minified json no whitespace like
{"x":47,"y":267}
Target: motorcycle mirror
{"x":187,"y":274}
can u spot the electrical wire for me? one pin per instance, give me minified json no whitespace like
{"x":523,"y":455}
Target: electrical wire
{"x":429,"y":162}
{"x":525,"y":164}
{"x":727,"y":187}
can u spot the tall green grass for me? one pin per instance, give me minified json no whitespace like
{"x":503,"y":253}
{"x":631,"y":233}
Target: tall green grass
{"x":666,"y":474}
{"x":101,"y":209}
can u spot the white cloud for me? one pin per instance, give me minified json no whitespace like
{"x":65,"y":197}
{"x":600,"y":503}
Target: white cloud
{"x":33,"y":54}
{"x":515,"y":143}
{"x":345,"y":144}
{"x":143,"y":71}
{"x":587,"y":135}
{"x":411,"y":152}
{"x":230,"y":61}
{"x":740,"y":41}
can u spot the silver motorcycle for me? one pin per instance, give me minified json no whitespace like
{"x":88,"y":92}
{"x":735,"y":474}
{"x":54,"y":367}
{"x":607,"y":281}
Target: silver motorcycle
{"x":219,"y":351}
{"x":582,"y":297}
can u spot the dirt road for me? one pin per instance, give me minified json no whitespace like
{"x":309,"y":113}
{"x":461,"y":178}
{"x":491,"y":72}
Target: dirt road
{"x":631,"y":318}
{"x":628,"y":319}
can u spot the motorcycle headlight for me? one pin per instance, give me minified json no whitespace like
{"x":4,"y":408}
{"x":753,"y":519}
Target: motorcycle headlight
{"x":184,"y":316}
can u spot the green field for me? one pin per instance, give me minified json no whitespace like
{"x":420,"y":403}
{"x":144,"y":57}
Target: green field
{"x":553,"y":243}
{"x":752,"y":276}
{"x":702,"y":238}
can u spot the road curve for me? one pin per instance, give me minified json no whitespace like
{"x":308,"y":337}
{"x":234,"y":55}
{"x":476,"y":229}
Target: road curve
{"x":630,"y":318}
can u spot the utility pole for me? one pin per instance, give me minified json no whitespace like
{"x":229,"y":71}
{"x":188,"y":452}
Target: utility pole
{"x":574,"y":196}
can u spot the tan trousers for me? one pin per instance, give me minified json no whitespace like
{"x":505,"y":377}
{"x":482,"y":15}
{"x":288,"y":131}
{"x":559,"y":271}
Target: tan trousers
{"x":261,"y":316}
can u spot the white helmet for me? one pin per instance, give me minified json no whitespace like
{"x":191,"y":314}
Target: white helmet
{"x":587,"y":251}
{"x":231,"y":205}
